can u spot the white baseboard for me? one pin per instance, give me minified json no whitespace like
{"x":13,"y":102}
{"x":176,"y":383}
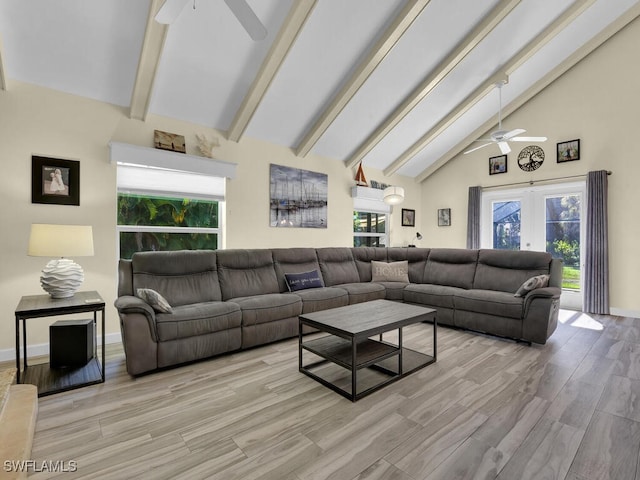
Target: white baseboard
{"x":625,"y":313}
{"x":43,"y":348}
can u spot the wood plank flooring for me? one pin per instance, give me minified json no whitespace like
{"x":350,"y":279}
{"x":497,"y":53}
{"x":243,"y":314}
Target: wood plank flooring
{"x":488,"y":409}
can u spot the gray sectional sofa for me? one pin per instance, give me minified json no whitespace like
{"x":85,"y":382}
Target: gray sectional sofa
{"x":227,"y":300}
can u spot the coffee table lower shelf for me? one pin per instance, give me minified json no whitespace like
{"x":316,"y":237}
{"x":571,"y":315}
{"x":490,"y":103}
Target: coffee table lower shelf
{"x":393,"y":362}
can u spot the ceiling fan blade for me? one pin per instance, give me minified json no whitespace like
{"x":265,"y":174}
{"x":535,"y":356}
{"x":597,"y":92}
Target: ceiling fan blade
{"x":477,"y":148}
{"x":528,"y":139}
{"x":247,"y":19}
{"x":170,"y":11}
{"x":513,"y":133}
{"x":504,"y":147}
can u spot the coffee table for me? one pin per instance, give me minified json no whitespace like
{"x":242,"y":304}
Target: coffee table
{"x":350,"y":342}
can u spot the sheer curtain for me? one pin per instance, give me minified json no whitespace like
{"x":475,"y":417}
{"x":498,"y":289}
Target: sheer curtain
{"x":596,"y":272}
{"x":473,"y":218}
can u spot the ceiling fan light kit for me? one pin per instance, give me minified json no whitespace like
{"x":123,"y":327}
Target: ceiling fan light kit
{"x":503,"y":137}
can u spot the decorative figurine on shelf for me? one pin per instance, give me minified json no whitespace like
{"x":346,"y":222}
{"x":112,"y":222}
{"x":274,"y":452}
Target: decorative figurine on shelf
{"x":361,"y":180}
{"x":206,"y":146}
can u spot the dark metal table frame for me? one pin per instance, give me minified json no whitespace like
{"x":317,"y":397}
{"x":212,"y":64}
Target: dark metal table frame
{"x":355,"y":350}
{"x":39,"y":306}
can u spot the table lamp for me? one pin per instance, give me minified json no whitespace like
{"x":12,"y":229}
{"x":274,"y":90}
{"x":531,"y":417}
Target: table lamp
{"x":61,"y":277}
{"x":417,"y":237}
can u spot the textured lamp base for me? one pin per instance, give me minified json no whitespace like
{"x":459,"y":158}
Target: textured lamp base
{"x":61,"y":278}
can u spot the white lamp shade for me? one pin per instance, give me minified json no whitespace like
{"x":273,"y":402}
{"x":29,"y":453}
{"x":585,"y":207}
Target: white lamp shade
{"x":60,"y":240}
{"x":393,"y":195}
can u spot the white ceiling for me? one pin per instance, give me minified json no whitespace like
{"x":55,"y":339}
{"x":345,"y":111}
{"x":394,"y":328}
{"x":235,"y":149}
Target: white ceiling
{"x":352,"y":66}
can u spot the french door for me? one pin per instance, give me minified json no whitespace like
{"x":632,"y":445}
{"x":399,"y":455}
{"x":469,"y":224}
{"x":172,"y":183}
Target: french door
{"x":543,"y":218}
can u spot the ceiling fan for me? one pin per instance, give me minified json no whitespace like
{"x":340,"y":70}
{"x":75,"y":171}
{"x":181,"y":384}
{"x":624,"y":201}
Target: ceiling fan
{"x":502,"y":137}
{"x":240,"y":8}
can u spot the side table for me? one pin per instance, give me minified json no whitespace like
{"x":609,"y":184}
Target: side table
{"x":50,"y":380}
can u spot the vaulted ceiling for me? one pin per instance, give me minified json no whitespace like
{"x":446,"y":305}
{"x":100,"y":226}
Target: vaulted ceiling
{"x":399,"y":85}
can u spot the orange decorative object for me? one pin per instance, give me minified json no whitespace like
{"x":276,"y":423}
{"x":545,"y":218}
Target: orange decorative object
{"x":360,"y":178}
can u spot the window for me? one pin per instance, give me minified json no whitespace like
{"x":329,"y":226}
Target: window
{"x":369,"y":229}
{"x":154,"y":222}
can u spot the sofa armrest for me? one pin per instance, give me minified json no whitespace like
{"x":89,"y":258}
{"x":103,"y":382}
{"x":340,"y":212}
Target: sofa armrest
{"x":541,"y":307}
{"x":130,"y":304}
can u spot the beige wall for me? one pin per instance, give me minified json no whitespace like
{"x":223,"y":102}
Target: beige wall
{"x":35,"y":120}
{"x":598,"y":102}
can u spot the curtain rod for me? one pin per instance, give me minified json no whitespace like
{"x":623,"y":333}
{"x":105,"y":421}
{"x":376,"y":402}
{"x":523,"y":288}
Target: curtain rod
{"x":531,"y":182}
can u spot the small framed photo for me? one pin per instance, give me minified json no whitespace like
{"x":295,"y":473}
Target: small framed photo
{"x":444,"y":217}
{"x":568,"y":151}
{"x":498,"y":164}
{"x":54,"y":180}
{"x":408,"y":218}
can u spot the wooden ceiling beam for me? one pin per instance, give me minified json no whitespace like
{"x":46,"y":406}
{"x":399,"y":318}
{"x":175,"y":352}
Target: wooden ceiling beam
{"x":376,"y":55}
{"x":629,"y":16}
{"x":296,"y":18}
{"x":152,"y":46}
{"x":486,"y":26}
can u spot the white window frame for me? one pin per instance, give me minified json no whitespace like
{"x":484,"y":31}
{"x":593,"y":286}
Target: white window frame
{"x":384,"y":236}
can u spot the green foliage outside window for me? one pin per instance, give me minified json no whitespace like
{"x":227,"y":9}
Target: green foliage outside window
{"x":155,"y":211}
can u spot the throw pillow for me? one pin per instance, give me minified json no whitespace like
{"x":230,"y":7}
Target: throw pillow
{"x":539,"y":281}
{"x":304,"y":280}
{"x":155,"y":300}
{"x":390,"y":272}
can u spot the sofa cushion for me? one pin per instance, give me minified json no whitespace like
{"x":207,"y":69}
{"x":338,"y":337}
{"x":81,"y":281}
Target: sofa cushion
{"x":268,"y":307}
{"x":393,"y":290}
{"x":197,"y":319}
{"x":316,"y":299}
{"x":539,"y":281}
{"x":390,"y":272}
{"x":416,"y":257}
{"x":451,"y":266}
{"x":154,"y":300}
{"x":182,"y":277}
{"x":293,"y":260}
{"x":501,"y":304}
{"x":304,"y":280}
{"x":506,"y":270}
{"x":337,"y":266}
{"x":363,"y":256}
{"x":431,"y":295}
{"x":244,"y":273}
{"x":363,"y":292}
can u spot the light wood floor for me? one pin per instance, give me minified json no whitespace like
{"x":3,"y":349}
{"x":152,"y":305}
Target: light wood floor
{"x":489,"y":408}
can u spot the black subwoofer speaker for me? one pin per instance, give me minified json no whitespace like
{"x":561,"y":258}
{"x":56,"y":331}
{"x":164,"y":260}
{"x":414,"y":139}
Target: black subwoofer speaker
{"x":71,"y":343}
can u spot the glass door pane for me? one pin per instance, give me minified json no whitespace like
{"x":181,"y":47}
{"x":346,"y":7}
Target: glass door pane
{"x":563,"y":235}
{"x":506,"y":224}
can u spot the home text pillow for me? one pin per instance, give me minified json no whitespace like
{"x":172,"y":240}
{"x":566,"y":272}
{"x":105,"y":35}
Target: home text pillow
{"x":155,"y":300}
{"x":539,"y":281}
{"x":304,"y":280}
{"x":390,"y":272}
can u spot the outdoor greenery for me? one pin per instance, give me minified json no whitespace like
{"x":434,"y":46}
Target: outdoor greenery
{"x":144,"y":210}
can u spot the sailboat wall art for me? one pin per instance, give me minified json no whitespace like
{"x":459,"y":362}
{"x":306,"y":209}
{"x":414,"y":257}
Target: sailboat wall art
{"x":298,"y":198}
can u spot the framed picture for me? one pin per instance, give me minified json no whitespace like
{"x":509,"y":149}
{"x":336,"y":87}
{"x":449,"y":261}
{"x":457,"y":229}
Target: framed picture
{"x":408,"y":218}
{"x":498,"y":164}
{"x":568,"y":151}
{"x":444,"y":217}
{"x":298,"y":198}
{"x":54,"y":180}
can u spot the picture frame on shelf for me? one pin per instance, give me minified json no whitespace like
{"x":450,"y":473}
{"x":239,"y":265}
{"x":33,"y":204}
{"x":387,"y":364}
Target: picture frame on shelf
{"x":169,"y":141}
{"x":55,"y":181}
{"x":444,"y":217}
{"x":568,"y":151}
{"x":408,"y":217}
{"x":497,"y":164}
